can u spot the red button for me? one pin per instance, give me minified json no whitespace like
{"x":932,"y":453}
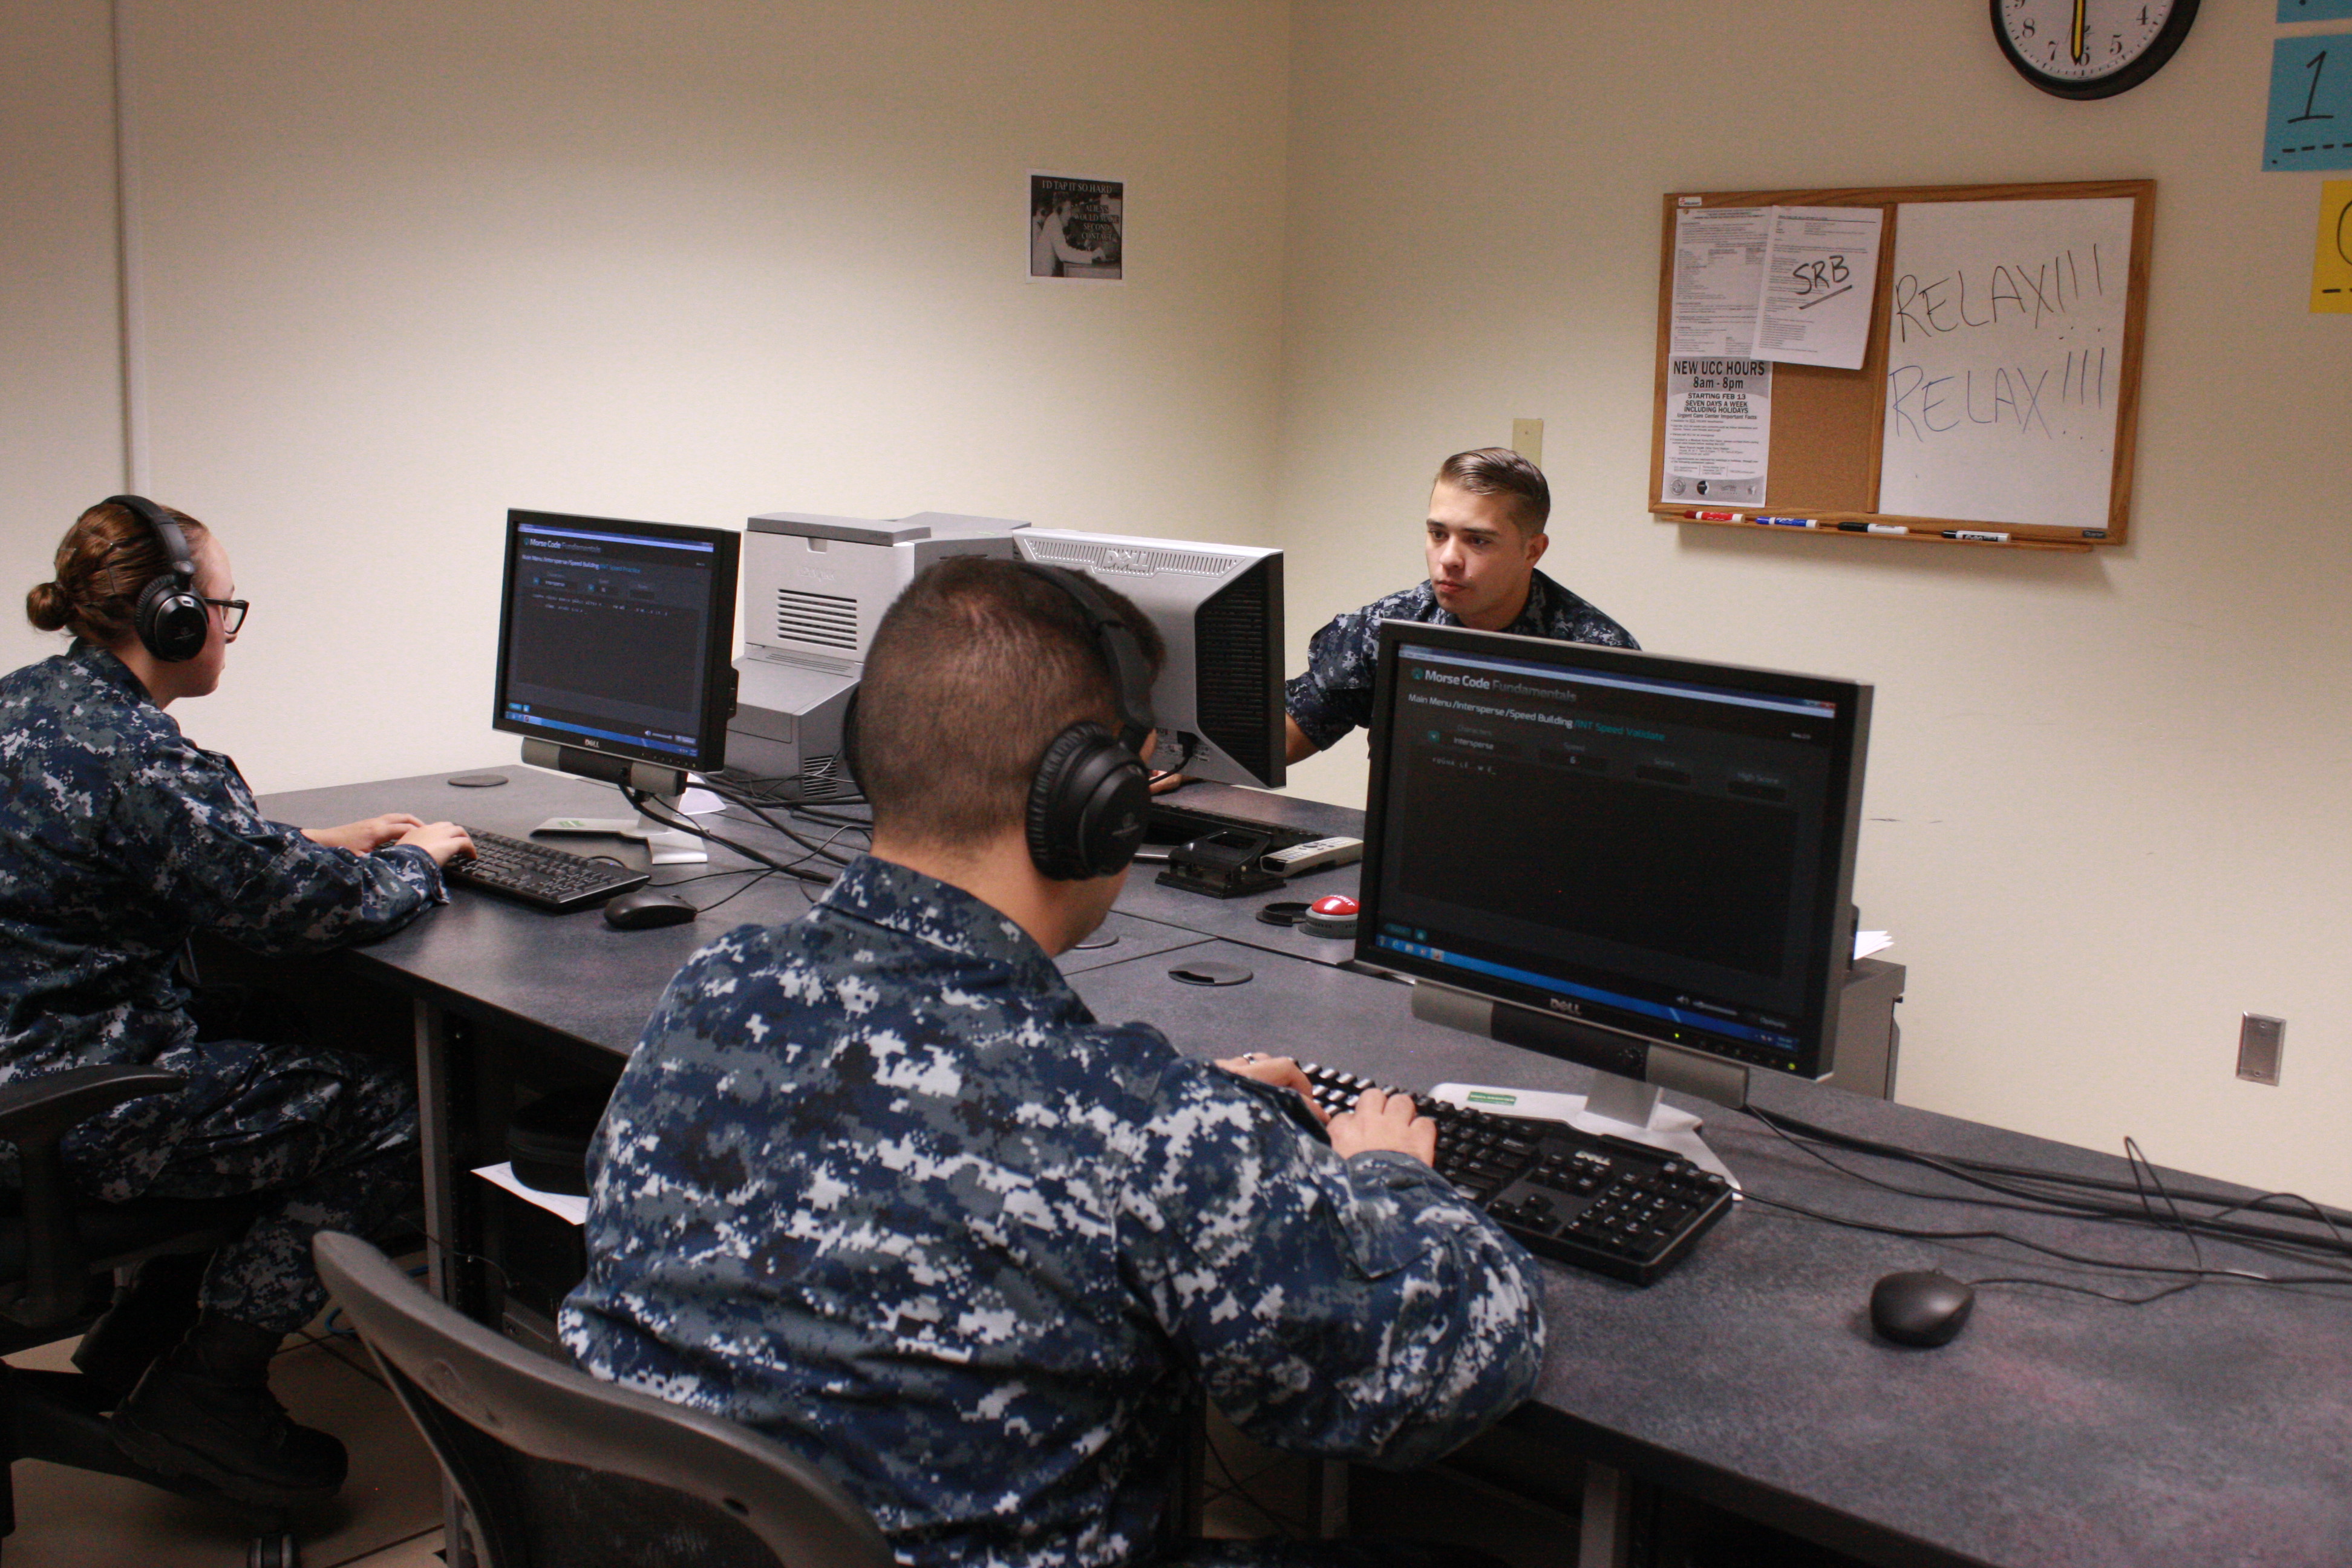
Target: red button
{"x":1335,"y":904}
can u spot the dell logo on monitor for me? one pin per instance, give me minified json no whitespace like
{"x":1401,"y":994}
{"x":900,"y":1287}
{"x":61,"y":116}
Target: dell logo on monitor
{"x":1134,"y":561}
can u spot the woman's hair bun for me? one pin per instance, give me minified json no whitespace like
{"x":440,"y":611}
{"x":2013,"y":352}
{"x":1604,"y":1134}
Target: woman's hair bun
{"x":48,"y":607}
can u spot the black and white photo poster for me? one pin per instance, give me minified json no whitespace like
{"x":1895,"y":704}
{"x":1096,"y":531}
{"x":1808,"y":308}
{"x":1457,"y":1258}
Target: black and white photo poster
{"x":1076,"y":227}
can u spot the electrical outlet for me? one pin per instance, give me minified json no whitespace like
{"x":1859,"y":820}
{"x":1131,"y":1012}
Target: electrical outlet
{"x":2260,"y":1041}
{"x":1527,"y":439}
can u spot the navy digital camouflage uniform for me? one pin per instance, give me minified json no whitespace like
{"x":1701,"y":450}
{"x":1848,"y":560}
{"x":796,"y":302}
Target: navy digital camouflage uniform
{"x":1335,"y":694}
{"x":119,"y":838}
{"x":876,"y":1183}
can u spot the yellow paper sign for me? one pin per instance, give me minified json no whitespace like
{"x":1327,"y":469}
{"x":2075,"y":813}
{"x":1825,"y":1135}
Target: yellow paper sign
{"x":2331,"y":268}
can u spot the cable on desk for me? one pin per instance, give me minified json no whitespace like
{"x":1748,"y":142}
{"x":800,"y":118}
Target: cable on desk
{"x":2196,"y":1275}
{"x":655,"y":811}
{"x":2024,"y":1186}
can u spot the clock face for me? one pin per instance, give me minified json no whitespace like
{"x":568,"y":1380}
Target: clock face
{"x":2090,"y":48}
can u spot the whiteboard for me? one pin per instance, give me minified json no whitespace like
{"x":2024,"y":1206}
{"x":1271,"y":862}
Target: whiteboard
{"x":2004,"y":360}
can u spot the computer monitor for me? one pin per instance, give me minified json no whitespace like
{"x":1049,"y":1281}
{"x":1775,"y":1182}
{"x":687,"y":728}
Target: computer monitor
{"x":1218,"y":608}
{"x":1639,"y":863}
{"x":614,"y":645}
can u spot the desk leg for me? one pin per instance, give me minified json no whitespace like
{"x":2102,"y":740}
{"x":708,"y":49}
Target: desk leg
{"x":1331,"y":1500}
{"x":1606,"y":1537}
{"x":437,"y":1136}
{"x":437,"y":1100}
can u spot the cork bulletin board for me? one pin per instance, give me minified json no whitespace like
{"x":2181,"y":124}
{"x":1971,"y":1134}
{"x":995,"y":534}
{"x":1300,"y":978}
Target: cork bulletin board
{"x":1998,"y":389}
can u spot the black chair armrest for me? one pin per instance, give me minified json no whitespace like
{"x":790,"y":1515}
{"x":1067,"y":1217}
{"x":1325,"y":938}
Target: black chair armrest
{"x":35,"y":1115}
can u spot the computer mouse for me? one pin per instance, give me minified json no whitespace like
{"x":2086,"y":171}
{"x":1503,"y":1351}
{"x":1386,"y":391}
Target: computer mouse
{"x":1921,"y":1307}
{"x":646,"y":909}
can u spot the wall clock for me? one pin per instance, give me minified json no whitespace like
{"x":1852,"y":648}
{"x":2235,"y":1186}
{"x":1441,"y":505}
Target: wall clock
{"x":2090,"y":48}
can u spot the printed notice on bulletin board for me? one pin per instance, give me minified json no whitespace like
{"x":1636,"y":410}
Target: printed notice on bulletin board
{"x":1718,"y":431}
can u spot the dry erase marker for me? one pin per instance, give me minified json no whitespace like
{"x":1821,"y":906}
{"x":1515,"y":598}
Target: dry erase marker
{"x":1979,"y":537}
{"x":1872,"y":527}
{"x":1785,"y":521}
{"x":1712,"y":516}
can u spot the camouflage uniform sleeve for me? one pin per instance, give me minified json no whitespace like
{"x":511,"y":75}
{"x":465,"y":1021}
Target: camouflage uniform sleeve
{"x":210,"y":854}
{"x":1352,"y":1309}
{"x":1334,"y":694}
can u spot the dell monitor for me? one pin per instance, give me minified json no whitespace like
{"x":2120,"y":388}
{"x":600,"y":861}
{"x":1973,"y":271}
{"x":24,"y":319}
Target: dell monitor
{"x":1218,"y":608}
{"x":1641,"y":864}
{"x":614,"y":645}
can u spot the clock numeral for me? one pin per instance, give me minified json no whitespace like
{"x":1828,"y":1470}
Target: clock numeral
{"x":2029,"y":27}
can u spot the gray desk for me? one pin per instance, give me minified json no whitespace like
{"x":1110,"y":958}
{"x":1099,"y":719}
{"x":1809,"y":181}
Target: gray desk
{"x":2209,"y":1428}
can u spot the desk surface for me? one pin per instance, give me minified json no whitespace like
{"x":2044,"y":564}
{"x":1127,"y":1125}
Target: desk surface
{"x":2210,"y":1427}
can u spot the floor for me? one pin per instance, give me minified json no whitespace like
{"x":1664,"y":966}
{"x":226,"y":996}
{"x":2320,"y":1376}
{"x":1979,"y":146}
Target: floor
{"x":388,"y":1515}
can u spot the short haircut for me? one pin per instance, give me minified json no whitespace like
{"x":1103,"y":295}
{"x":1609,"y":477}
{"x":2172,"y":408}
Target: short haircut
{"x":972,"y":674}
{"x":104,"y":562}
{"x":1498,"y":470}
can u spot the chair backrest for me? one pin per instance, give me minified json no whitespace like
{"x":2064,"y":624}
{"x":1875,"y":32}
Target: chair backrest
{"x":558,"y":1467}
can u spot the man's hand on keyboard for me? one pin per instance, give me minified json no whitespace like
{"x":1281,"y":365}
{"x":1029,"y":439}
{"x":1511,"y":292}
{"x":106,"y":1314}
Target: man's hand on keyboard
{"x":1382,"y":1121}
{"x":439,"y":839}
{"x":367,"y":836}
{"x":1280,"y":1071}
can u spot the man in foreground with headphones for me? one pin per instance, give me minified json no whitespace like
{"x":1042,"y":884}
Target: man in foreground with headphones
{"x":876,"y":1183}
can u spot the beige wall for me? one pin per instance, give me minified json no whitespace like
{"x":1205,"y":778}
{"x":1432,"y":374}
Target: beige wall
{"x":60,"y":397}
{"x":2109,"y":796}
{"x":407,"y":264}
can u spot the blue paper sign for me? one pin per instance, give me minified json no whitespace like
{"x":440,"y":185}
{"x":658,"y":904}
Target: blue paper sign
{"x":2311,"y":104}
{"x":2313,"y":10}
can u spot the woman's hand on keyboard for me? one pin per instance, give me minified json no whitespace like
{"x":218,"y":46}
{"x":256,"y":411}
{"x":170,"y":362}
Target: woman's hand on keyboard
{"x":1383,"y":1121}
{"x":1280,"y":1071}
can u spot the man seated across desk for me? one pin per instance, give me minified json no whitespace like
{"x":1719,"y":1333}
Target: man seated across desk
{"x":876,"y":1183}
{"x":1486,"y":533}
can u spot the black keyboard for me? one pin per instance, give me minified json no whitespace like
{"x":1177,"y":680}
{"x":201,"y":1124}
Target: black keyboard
{"x":547,"y":878}
{"x":1616,"y":1208}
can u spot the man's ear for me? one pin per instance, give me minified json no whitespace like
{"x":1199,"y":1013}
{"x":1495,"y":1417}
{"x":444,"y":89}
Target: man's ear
{"x":1536,"y":544}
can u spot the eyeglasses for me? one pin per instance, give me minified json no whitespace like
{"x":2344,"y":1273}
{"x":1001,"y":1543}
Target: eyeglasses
{"x":232,"y":612}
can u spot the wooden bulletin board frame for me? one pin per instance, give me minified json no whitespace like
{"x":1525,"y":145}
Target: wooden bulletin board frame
{"x":1828,"y":426}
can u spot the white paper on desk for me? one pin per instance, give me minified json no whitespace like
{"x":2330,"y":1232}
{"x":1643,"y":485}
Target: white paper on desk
{"x":1718,"y":278}
{"x":1820,"y":268}
{"x":1866,"y":942}
{"x":699,"y":801}
{"x":562,"y":1206}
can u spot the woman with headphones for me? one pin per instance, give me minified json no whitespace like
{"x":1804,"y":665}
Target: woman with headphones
{"x":119,"y":839}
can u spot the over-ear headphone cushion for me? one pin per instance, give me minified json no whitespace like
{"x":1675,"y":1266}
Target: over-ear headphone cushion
{"x":170,"y":620}
{"x":1087,"y":805}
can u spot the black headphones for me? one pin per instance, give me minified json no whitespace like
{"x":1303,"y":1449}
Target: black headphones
{"x":170,"y":620}
{"x":1087,"y":799}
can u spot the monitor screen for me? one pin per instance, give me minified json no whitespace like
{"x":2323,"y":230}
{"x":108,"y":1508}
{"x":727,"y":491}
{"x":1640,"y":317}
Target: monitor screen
{"x":614,"y":637}
{"x":1656,"y":848}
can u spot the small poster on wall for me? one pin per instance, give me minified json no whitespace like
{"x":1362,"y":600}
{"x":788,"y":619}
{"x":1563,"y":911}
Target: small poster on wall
{"x":1077,"y":229}
{"x":1718,"y":431}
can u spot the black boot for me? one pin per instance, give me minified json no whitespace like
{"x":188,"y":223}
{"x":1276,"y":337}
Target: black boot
{"x":205,"y":1410}
{"x":150,"y":1315}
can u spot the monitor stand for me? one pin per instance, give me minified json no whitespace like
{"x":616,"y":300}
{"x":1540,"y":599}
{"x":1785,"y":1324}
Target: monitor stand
{"x":663,"y":845}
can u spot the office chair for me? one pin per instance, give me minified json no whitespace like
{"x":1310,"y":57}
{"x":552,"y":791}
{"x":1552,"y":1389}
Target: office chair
{"x":557,"y":1467}
{"x":57,"y":1251}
